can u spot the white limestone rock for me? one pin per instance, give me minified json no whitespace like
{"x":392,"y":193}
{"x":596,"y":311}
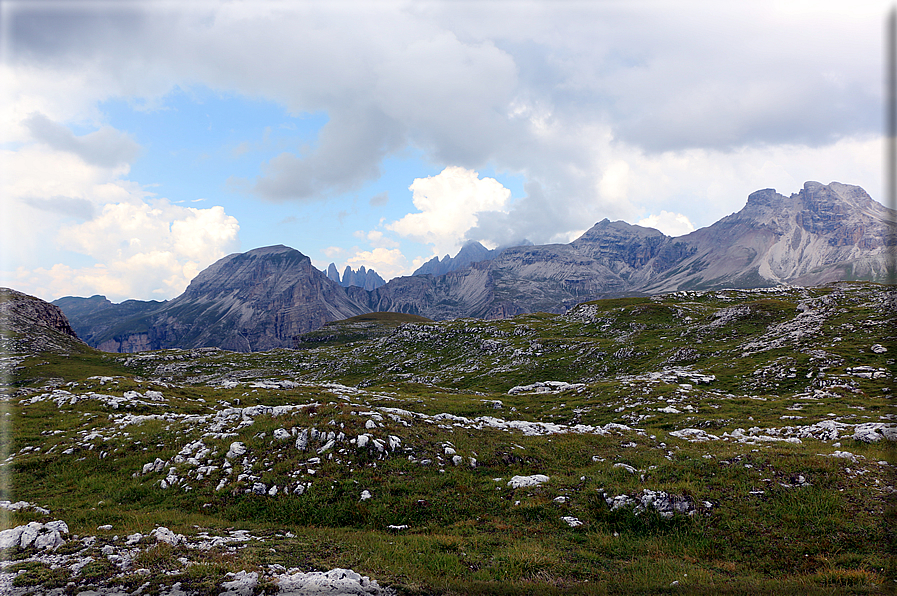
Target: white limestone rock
{"x":41,"y":536}
{"x":694,"y":435}
{"x":236,"y":450}
{"x":526,"y":481}
{"x":242,"y":584}
{"x":163,"y":534}
{"x":343,"y":582}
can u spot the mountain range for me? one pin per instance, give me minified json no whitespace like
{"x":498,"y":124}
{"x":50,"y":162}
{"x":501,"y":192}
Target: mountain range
{"x":264,"y":298}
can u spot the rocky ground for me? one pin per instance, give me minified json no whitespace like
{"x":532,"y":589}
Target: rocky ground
{"x":733,"y":440}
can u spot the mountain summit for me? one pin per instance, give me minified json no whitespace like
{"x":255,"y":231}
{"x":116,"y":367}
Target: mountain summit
{"x":822,"y":233}
{"x":246,"y":302}
{"x":263,"y":298}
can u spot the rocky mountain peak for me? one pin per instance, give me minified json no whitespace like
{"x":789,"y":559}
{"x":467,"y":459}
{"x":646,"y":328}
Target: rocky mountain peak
{"x":257,"y":267}
{"x":363,"y":278}
{"x":472,"y":252}
{"x":767,"y":197}
{"x":260,"y":299}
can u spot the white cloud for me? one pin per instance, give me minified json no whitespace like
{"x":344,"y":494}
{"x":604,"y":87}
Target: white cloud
{"x":449,"y":203}
{"x":149,"y":250}
{"x":377,"y":239}
{"x":387,"y":262}
{"x":333,"y":251}
{"x":78,"y":227}
{"x":671,"y":224}
{"x":140,"y":247}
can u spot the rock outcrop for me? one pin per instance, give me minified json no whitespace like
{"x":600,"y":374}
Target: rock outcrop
{"x":31,"y":325}
{"x":363,"y":278}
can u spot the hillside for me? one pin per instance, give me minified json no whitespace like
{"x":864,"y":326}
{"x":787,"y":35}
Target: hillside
{"x":30,"y":325}
{"x":357,"y":328}
{"x":726,"y":441}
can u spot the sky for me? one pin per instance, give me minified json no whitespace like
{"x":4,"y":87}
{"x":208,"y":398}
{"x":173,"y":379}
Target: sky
{"x":141,"y":141}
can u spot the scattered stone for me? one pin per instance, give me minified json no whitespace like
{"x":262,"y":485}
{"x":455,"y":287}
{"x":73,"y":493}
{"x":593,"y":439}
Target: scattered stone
{"x":163,"y":534}
{"x":525,"y":481}
{"x":19,"y":505}
{"x":542,"y":387}
{"x":694,"y":435}
{"x":242,"y":584}
{"x":663,"y":502}
{"x":236,"y":450}
{"x":41,"y":536}
{"x":342,"y":582}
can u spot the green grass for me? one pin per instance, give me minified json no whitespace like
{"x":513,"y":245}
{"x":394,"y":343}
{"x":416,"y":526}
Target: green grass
{"x":469,"y":533}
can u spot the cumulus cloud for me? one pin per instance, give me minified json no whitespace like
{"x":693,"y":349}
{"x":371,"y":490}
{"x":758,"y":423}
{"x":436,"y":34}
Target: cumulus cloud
{"x":153,"y":249}
{"x":449,"y":203}
{"x":671,"y":224}
{"x":333,"y":251}
{"x":106,"y":147}
{"x":387,"y":262}
{"x":379,"y":240}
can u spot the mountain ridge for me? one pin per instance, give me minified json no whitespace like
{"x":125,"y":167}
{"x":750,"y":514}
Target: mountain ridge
{"x":263,"y":298}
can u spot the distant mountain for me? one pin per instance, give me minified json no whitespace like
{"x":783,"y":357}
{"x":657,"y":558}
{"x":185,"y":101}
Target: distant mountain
{"x":821,"y":234}
{"x":470,"y":253}
{"x":244,"y":302}
{"x":363,"y":278}
{"x":261,"y":299}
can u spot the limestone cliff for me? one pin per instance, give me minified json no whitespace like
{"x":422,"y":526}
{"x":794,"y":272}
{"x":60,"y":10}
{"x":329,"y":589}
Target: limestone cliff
{"x":30,"y":325}
{"x":821,"y":234}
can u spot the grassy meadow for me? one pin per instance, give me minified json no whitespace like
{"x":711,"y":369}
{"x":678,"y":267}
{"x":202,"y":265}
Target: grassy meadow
{"x":390,"y":447}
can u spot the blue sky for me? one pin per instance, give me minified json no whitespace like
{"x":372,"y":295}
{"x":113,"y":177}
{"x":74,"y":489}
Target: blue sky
{"x":201,"y":147}
{"x":142,"y":141}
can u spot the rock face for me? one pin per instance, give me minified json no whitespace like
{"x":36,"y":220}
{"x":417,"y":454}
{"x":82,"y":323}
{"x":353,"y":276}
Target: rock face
{"x":28,"y":325}
{"x":821,"y":234}
{"x":244,"y":302}
{"x":470,"y":253}
{"x":261,"y":299}
{"x":363,"y":278}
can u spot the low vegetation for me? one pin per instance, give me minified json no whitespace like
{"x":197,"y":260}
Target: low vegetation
{"x":699,"y":442}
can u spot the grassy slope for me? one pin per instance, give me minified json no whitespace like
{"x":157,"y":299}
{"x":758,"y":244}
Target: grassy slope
{"x":469,"y":533}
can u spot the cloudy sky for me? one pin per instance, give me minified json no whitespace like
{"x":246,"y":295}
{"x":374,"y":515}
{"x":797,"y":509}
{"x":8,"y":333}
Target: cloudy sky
{"x":142,"y":141}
